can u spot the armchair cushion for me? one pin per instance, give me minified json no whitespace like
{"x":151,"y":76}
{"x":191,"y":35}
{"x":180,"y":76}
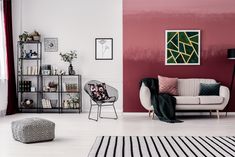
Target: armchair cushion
{"x":99,"y":92}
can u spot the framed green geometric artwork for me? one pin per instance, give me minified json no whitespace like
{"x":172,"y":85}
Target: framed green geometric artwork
{"x":182,"y":47}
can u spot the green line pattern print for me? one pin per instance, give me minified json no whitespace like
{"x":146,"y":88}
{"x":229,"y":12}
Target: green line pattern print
{"x":182,"y":47}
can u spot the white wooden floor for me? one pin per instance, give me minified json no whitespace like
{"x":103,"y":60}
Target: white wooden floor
{"x":75,"y":134}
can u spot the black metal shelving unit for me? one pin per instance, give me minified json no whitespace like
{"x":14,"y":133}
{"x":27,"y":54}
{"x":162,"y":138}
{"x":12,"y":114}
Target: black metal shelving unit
{"x":40,"y":83}
{"x":61,"y":93}
{"x":21,"y":76}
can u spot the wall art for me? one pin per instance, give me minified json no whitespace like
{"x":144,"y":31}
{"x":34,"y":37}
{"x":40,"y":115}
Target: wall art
{"x":182,"y":47}
{"x":104,"y":48}
{"x":50,"y":44}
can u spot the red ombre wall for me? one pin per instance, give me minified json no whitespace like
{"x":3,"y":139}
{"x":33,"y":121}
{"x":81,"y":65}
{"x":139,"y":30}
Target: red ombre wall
{"x":144,"y":28}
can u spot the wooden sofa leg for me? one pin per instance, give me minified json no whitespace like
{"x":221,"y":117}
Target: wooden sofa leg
{"x":150,"y":113}
{"x":217,"y":113}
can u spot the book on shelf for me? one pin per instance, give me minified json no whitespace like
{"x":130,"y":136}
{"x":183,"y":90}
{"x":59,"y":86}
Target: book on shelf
{"x":32,"y":70}
{"x":64,"y":87}
{"x":46,"y":103}
{"x":25,"y":86}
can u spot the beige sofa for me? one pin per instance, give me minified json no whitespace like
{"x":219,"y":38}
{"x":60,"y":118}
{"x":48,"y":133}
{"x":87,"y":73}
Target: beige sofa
{"x":188,"y":96}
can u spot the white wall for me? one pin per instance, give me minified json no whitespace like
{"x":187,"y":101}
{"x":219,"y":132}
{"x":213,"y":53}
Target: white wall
{"x":76,"y":23}
{"x":3,"y":97}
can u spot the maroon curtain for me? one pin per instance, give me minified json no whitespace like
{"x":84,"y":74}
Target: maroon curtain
{"x":12,"y":99}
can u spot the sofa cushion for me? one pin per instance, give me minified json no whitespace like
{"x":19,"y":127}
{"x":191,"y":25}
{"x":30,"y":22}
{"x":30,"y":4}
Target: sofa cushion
{"x":190,"y":87}
{"x":187,"y":100}
{"x":211,"y":99}
{"x":209,"y":89}
{"x":167,"y":85}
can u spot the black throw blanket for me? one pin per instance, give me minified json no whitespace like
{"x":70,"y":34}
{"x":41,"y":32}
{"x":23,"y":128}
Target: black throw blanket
{"x":163,"y":103}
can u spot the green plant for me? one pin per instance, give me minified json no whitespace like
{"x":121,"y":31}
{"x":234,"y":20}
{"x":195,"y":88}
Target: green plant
{"x":69,"y":56}
{"x":73,"y":99}
{"x":24,"y":36}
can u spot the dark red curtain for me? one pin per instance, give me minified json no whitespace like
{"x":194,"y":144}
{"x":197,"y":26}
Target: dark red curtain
{"x":12,"y":99}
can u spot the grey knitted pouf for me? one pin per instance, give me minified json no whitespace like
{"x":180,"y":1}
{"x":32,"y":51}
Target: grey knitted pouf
{"x":30,"y":130}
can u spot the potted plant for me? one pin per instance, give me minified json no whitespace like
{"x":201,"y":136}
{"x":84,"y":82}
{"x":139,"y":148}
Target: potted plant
{"x":24,"y":36}
{"x":73,"y":101}
{"x":68,"y":57}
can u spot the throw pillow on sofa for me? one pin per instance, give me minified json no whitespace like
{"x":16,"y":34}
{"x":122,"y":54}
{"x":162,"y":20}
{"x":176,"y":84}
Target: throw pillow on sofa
{"x":168,"y":85}
{"x":209,"y":89}
{"x":99,"y":92}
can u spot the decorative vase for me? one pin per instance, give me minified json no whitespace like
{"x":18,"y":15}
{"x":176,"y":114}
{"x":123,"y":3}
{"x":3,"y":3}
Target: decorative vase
{"x":70,"y":69}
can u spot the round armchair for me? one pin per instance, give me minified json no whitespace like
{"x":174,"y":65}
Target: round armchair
{"x":112,"y":98}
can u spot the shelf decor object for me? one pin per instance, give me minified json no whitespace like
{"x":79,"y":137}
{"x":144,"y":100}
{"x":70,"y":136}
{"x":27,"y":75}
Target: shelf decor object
{"x":69,"y":57}
{"x":34,"y":36}
{"x":104,"y":48}
{"x":182,"y":47}
{"x":231,"y":56}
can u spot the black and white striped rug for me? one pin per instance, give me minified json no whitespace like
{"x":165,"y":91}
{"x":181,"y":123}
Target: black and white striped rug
{"x":164,"y":146}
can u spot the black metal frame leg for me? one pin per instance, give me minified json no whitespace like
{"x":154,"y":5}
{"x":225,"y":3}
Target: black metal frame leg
{"x":116,"y":116}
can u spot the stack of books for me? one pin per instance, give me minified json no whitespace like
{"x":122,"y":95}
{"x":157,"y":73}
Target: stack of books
{"x":32,"y":70}
{"x":46,"y":103}
{"x":25,"y":86}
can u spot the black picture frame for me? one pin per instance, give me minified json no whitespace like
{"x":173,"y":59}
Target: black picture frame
{"x":103,"y":45}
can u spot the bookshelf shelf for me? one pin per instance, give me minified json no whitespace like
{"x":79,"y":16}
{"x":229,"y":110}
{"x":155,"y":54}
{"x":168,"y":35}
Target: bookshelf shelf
{"x":30,"y":59}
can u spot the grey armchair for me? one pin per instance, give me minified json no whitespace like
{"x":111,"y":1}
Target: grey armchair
{"x":113,"y":97}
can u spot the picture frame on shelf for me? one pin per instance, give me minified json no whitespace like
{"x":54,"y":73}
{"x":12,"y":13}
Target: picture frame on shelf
{"x":104,"y":48}
{"x":51,"y":44}
{"x":182,"y":47}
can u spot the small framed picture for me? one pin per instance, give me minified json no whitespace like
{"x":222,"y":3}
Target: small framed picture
{"x":51,"y":44}
{"x":104,"y":48}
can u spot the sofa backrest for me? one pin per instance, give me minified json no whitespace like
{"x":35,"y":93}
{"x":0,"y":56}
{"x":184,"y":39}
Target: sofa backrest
{"x":190,"y":87}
